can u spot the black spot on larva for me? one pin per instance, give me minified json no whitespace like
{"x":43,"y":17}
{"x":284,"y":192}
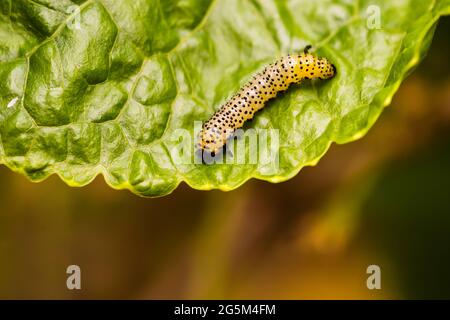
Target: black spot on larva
{"x":253,"y":96}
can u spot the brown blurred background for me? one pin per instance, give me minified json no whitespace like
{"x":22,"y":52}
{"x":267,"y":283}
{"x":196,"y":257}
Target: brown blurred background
{"x":382,"y":200}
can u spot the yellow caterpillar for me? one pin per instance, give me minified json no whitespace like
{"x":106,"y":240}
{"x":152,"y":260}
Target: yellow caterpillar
{"x":252,"y":97}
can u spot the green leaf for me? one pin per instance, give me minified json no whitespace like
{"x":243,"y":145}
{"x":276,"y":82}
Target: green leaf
{"x":103,"y":86}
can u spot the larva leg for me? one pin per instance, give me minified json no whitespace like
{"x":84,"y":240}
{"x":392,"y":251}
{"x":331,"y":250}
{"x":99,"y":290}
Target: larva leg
{"x":307,"y":48}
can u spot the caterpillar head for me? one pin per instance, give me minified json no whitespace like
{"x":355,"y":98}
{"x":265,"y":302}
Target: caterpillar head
{"x":211,"y":139}
{"x":328,"y":69}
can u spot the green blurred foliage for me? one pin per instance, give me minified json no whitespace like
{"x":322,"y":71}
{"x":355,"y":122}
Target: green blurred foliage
{"x":407,"y":218}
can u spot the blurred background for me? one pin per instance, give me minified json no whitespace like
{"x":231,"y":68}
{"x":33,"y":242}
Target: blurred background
{"x":383,"y":200}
